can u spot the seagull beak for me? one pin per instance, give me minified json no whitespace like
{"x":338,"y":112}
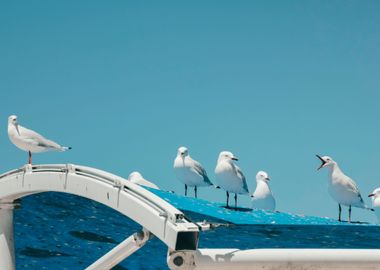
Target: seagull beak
{"x":235,"y":158}
{"x":268,"y":179}
{"x":17,"y":129}
{"x":371,"y":195}
{"x":323,"y":162}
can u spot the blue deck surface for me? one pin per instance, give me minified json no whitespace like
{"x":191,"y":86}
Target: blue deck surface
{"x":243,"y":216}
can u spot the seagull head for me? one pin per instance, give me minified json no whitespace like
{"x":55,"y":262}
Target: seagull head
{"x":12,"y":120}
{"x":326,"y":161}
{"x":226,"y":156}
{"x":135,"y":176}
{"x":183,"y":152}
{"x":262,"y":176}
{"x":375,"y":194}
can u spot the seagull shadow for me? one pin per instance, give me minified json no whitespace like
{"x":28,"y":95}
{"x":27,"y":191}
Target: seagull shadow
{"x":238,"y":209}
{"x":354,"y":222}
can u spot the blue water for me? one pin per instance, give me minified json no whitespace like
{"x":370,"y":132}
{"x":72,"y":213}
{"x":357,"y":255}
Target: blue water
{"x":61,"y":231}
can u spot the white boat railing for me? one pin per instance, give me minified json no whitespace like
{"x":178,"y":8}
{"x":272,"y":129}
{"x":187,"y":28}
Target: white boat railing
{"x":154,"y":214}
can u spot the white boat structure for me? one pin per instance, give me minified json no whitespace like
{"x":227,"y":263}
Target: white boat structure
{"x":158,"y":218}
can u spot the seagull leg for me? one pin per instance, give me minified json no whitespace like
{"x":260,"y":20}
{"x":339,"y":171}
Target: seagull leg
{"x":185,"y":190}
{"x":235,"y":201}
{"x":349,"y":214}
{"x":340,"y":212}
{"x":195,"y":191}
{"x":30,"y":158}
{"x":228,"y":196}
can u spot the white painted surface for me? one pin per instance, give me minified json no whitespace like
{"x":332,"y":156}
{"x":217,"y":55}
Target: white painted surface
{"x":142,"y":206}
{"x":6,"y":258}
{"x":283,"y":259}
{"x":7,"y":252}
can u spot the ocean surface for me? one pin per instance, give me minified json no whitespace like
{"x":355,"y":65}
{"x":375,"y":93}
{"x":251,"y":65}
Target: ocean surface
{"x":61,"y":231}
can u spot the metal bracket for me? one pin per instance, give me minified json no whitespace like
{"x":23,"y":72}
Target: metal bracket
{"x":142,"y":237}
{"x":178,"y":260}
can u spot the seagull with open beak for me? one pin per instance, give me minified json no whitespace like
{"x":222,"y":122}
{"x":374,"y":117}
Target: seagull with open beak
{"x":341,"y":187}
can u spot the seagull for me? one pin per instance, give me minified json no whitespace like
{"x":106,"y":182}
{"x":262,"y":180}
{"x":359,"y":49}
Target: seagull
{"x":189,"y":171}
{"x":342,"y":188}
{"x":29,"y":140}
{"x":137,"y":178}
{"x":229,"y":176}
{"x":263,"y":198}
{"x":375,"y":195}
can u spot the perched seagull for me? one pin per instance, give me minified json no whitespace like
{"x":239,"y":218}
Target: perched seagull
{"x":29,"y":140}
{"x":342,"y":188}
{"x":229,"y":176}
{"x":375,"y":195}
{"x":263,"y":198}
{"x":137,"y":178}
{"x":189,"y":171}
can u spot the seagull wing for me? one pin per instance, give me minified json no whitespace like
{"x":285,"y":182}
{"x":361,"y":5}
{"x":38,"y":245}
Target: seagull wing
{"x":36,"y":139}
{"x":201,"y":171}
{"x":242,"y":177}
{"x":351,"y":185}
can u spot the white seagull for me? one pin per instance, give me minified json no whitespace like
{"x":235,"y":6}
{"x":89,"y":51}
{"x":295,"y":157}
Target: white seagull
{"x":29,"y":140}
{"x":137,"y":178}
{"x":229,"y":176}
{"x":189,"y":171}
{"x":263,"y":198}
{"x":375,"y":195}
{"x":342,"y":188}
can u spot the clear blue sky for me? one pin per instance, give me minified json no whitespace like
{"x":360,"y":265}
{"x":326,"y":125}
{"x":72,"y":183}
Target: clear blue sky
{"x":125,"y":83}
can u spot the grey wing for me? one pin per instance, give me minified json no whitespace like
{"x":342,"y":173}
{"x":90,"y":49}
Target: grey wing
{"x":354,"y":187}
{"x":30,"y":134}
{"x":36,"y":138}
{"x":201,"y":171}
{"x":241,"y":175}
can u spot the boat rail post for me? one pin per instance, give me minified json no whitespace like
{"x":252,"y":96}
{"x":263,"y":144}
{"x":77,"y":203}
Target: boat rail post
{"x":121,"y":251}
{"x":7,"y":253}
